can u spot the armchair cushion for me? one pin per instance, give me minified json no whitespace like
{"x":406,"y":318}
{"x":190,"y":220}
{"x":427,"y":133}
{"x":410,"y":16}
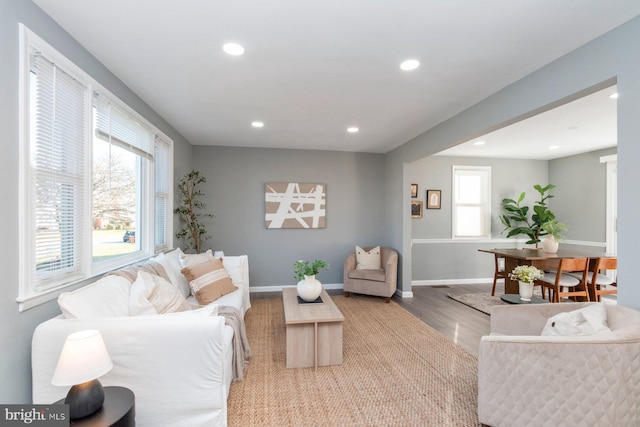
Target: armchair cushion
{"x":375,"y":275}
{"x":368,"y":259}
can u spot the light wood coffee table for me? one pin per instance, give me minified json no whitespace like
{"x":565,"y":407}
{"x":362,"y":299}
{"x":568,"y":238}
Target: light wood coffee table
{"x":314,"y":331}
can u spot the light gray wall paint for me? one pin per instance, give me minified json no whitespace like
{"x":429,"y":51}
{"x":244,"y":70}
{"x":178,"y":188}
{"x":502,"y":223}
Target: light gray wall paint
{"x":611,"y":58}
{"x":455,"y":259}
{"x":17,"y":328}
{"x":235,"y":190}
{"x":580,"y":194}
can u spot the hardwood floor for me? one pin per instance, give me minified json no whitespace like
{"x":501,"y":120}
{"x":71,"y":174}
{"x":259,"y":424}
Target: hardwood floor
{"x":461,"y":324}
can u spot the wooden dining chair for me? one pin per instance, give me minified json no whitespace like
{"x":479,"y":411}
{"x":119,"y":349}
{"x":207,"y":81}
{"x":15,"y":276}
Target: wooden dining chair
{"x":559,"y":284}
{"x":499,"y":272}
{"x":596,"y":281}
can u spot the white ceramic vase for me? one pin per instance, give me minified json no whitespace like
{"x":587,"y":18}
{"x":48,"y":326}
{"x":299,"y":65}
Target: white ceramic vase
{"x":309,"y":289}
{"x":526,"y":290}
{"x":550,"y":245}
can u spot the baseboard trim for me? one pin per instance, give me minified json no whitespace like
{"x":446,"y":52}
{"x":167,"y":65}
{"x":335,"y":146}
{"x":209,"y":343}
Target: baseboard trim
{"x":260,"y":289}
{"x":449,"y":282}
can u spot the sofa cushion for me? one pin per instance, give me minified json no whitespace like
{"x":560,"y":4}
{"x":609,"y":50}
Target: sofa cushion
{"x":188,"y":260}
{"x":90,"y":301}
{"x":374,"y":275}
{"x":209,"y":281}
{"x":151,"y":294}
{"x":172,"y":268}
{"x":585,"y":321}
{"x":368,"y":260}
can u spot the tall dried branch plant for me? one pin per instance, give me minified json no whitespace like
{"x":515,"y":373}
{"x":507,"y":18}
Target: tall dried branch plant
{"x":191,"y":212}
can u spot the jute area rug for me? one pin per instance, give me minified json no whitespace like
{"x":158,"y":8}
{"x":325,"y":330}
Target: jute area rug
{"x":480,"y":301}
{"x":396,"y":371}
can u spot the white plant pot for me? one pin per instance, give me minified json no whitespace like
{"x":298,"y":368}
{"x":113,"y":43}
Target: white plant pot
{"x":526,"y":290}
{"x":309,"y":289}
{"x":550,"y":245}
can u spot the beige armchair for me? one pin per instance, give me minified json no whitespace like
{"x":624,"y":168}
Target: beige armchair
{"x":525,"y":379}
{"x":380,"y":283}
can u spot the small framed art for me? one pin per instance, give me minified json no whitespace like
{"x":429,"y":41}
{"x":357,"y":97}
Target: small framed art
{"x":433,"y":199}
{"x":416,"y":209}
{"x":414,"y":190}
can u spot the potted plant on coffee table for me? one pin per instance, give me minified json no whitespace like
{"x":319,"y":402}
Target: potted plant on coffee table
{"x":526,"y":275}
{"x":309,"y":288}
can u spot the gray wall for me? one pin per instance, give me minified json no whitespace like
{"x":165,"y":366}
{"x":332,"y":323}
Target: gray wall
{"x":611,"y":58}
{"x":234,"y":192}
{"x":16,"y":328}
{"x":456,"y":259}
{"x":580,"y":195}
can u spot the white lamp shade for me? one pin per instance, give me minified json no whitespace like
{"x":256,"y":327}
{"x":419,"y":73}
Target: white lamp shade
{"x":84,"y":357}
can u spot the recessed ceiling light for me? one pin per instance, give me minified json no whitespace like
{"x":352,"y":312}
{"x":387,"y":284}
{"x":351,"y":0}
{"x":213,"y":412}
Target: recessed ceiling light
{"x":257,"y":124}
{"x":554,"y":147}
{"x":410,"y":64}
{"x":353,"y":129}
{"x":614,"y":95}
{"x":233,"y":49}
{"x":479,"y":143}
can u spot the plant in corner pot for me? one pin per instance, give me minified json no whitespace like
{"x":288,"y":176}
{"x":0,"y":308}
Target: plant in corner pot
{"x":526,"y":275}
{"x":309,"y":288}
{"x":517,"y":221}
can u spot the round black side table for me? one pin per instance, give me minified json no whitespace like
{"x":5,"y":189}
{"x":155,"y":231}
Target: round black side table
{"x":118,"y":410}
{"x":515,"y":299}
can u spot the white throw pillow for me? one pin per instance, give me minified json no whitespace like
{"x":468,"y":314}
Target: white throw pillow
{"x":585,"y":321}
{"x":368,"y":260}
{"x":174,"y":260}
{"x":107,"y":297}
{"x":235,"y":266}
{"x":172,"y":268}
{"x":189,"y":260}
{"x":151,"y":294}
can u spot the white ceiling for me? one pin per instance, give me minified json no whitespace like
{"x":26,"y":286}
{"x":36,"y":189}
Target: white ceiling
{"x":587,"y":124}
{"x":312,"y":68}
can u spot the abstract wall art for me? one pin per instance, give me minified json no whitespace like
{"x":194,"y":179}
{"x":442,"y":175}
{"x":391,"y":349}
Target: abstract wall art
{"x":295,"y":205}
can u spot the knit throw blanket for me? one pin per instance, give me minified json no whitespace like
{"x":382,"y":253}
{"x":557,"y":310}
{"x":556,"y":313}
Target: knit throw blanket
{"x":241,"y":349}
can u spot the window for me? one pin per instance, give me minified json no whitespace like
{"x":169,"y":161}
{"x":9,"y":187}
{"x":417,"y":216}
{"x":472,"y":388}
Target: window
{"x":94,"y":177}
{"x":471,"y":202}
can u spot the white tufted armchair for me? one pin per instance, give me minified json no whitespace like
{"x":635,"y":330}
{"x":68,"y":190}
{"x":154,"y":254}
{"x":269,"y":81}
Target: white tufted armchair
{"x":525,"y":379}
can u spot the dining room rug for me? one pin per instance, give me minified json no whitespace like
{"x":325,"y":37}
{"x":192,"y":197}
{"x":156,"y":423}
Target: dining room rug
{"x":396,"y":371}
{"x":481,"y":301}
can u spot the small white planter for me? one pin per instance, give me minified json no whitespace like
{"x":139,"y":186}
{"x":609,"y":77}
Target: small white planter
{"x":526,"y":290}
{"x":550,"y":245}
{"x":309,"y":289}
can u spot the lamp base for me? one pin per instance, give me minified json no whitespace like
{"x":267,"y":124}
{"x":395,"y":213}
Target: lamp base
{"x":85,"y":399}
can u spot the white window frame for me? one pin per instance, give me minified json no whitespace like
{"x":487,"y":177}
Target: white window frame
{"x":28,"y":295}
{"x":485,"y":205}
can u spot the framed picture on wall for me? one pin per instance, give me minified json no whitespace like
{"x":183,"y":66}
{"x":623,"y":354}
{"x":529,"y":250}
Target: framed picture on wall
{"x":433,"y":199}
{"x":416,"y":209}
{"x":414,"y":190}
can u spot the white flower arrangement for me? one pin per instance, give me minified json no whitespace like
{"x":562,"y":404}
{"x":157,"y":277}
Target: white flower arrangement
{"x":526,"y":273}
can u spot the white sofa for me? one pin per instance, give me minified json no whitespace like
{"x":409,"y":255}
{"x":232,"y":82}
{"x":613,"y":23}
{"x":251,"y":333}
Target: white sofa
{"x":525,"y":379}
{"x":178,"y":365}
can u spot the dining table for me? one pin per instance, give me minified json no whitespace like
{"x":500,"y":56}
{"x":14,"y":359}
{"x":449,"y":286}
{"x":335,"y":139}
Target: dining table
{"x":538,"y":258}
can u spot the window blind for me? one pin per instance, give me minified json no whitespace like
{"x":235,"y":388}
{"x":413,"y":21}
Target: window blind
{"x":161,"y":180}
{"x":58,"y":169}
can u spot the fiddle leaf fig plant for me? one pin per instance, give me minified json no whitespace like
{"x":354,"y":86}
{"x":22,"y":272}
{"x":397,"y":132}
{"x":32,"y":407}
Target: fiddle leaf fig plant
{"x":516,"y":220}
{"x":193,"y":231}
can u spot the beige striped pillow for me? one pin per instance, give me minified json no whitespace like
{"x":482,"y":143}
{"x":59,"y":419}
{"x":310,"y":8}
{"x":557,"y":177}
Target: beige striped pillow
{"x":209,"y":281}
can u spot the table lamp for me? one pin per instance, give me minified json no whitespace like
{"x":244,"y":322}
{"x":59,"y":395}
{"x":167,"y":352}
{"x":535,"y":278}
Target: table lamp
{"x":83,"y":359}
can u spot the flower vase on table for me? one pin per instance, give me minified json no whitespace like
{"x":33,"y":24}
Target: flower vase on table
{"x":309,"y":289}
{"x":526,"y":290}
{"x":526,"y":275}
